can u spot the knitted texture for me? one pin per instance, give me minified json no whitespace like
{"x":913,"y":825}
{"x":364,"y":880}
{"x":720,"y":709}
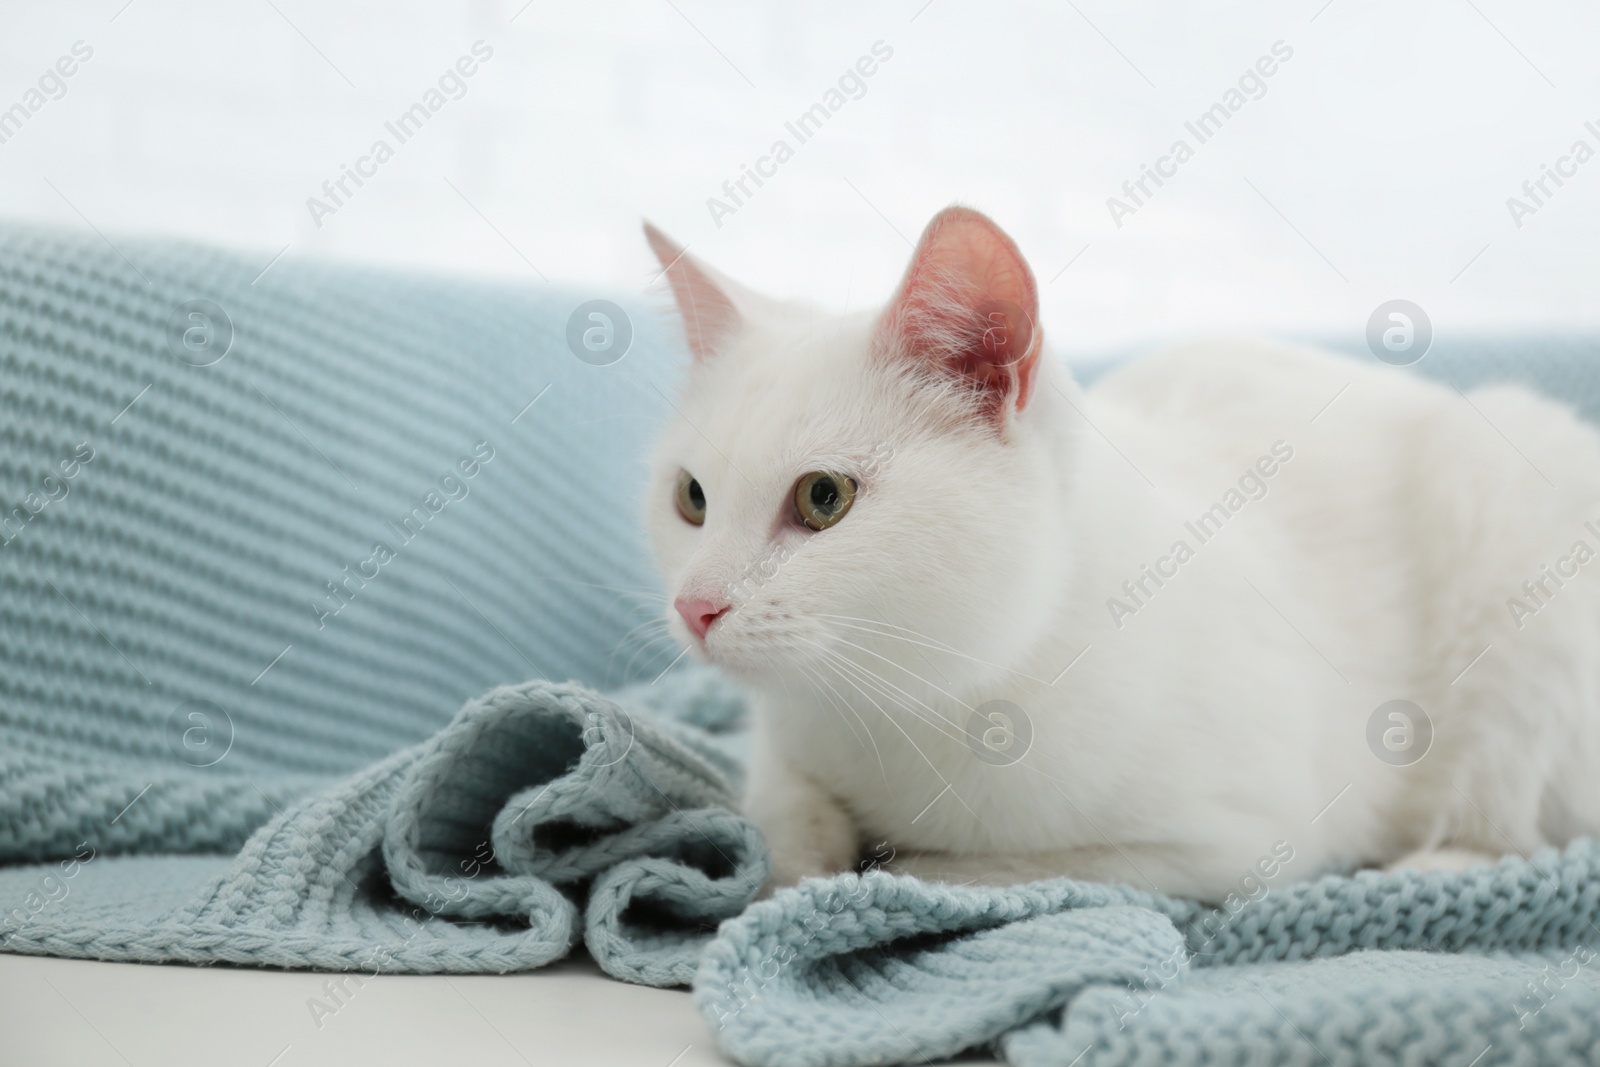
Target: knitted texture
{"x":197,"y":656}
{"x":215,"y":556}
{"x":466,"y":853}
{"x":1369,"y":969}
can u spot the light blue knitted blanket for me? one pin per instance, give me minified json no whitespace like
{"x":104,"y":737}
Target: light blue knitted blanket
{"x":209,"y":753}
{"x":542,"y":816}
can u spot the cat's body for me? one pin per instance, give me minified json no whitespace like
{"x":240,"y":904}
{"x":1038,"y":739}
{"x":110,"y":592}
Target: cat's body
{"x":1185,"y":717}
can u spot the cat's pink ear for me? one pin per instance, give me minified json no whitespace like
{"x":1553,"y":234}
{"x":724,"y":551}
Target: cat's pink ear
{"x":708,"y":312}
{"x":968,"y":307}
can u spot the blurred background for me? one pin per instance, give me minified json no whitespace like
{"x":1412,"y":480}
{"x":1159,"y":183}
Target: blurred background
{"x":1375,"y":163}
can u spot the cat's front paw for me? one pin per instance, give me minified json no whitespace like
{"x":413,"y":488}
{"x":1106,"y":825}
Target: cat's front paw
{"x":818,"y":841}
{"x":795,"y":861}
{"x":808,"y":833}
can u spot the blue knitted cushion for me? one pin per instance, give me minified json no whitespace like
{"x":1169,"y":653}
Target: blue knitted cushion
{"x":193,"y":608}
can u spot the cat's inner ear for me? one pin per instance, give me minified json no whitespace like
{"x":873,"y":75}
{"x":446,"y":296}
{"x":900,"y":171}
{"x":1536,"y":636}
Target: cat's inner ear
{"x":708,"y":311}
{"x":968,"y":308}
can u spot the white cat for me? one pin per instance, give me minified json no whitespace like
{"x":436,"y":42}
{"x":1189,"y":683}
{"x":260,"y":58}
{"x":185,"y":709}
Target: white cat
{"x":1146,"y":633}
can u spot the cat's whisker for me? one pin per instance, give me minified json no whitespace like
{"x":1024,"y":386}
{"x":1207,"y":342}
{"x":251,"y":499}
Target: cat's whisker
{"x":918,"y":708}
{"x":1030,"y":766}
{"x":648,"y":594}
{"x":937,"y":722}
{"x":902,"y":667}
{"x":895,"y":695}
{"x":654,"y":623}
{"x":892,"y":720}
{"x":649,"y":647}
{"x":653,"y":638}
{"x":848,"y":724}
{"x":838,"y":701}
{"x":810,"y":679}
{"x":648,"y":641}
{"x":834,"y":659}
{"x":866,"y":625}
{"x":959,"y":798}
{"x":840,"y":706}
{"x":933,"y":642}
{"x":962,"y":737}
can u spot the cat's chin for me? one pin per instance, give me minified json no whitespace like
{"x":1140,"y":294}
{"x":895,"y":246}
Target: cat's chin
{"x":747,"y":669}
{"x":754,"y":667}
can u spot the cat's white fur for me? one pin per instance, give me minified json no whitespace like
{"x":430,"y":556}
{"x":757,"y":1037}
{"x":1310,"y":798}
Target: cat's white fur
{"x":1229,"y":713}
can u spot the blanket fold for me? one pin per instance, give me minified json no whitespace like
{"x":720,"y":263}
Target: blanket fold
{"x":547,"y":814}
{"x":192,"y":564}
{"x":1365,"y":969}
{"x":543,"y":813}
{"x":881,"y":969}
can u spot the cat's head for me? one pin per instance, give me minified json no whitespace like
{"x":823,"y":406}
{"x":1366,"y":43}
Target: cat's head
{"x":841,"y":497}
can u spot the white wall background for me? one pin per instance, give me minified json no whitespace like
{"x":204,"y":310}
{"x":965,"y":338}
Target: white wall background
{"x":1377,"y":165}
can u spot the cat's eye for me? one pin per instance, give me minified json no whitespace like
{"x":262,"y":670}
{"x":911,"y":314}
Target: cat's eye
{"x":821,"y":499}
{"x":691,"y":499}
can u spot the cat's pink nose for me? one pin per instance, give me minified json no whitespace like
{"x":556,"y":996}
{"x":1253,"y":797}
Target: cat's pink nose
{"x":700,"y":614}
